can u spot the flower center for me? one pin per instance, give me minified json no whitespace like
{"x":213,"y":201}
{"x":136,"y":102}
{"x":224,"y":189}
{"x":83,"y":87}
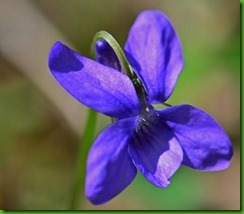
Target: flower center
{"x":146,"y":118}
{"x":141,"y":93}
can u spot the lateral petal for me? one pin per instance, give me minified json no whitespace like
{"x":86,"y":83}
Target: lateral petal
{"x":154,"y":150}
{"x":154,"y":50}
{"x":205,"y":144}
{"x":93,"y":84}
{"x":109,"y":167}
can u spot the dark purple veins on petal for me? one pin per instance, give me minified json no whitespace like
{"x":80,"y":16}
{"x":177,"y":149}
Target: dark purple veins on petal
{"x":154,"y":149}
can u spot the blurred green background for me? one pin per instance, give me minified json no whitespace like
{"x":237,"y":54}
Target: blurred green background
{"x":41,"y":125}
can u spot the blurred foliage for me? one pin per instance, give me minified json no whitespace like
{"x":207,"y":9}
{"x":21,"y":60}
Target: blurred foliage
{"x":38,"y":149}
{"x":35,"y":147}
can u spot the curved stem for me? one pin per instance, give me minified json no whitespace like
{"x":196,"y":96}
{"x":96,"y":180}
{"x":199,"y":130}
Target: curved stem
{"x":125,"y":65}
{"x":78,"y":196}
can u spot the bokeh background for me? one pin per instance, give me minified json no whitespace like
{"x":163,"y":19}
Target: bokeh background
{"x":41,"y":125}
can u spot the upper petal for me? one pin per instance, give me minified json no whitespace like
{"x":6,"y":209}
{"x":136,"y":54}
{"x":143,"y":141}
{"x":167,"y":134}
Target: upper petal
{"x":109,"y":166}
{"x":93,"y":84}
{"x":154,"y":150}
{"x":154,"y":50}
{"x":205,"y":144}
{"x":106,"y":55}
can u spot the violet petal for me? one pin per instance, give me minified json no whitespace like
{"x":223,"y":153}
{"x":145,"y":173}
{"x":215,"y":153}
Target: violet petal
{"x":154,"y":50}
{"x":205,"y":144}
{"x":155,"y":151}
{"x":106,"y":55}
{"x":93,"y":84}
{"x":109,"y":167}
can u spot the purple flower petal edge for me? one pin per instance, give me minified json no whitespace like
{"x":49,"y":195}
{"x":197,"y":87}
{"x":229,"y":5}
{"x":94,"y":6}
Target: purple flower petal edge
{"x":109,"y":167}
{"x":154,"y":50}
{"x":154,"y":150}
{"x":205,"y":144}
{"x":93,"y":84}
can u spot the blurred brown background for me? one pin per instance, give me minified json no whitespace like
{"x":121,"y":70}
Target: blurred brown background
{"x":41,"y":125}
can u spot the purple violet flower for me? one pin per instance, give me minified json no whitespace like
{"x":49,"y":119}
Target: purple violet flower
{"x":155,"y":142}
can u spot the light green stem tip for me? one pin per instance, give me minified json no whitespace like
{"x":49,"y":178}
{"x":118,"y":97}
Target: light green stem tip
{"x":125,"y":65}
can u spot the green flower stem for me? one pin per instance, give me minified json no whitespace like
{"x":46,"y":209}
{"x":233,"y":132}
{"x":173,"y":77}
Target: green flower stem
{"x":125,"y":65}
{"x":77,"y":197}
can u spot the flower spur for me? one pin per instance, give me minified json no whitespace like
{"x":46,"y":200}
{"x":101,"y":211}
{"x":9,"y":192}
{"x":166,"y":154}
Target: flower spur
{"x":155,"y":142}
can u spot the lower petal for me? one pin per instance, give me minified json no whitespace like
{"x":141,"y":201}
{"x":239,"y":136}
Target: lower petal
{"x":155,"y":151}
{"x":205,"y":144}
{"x":109,"y":167}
